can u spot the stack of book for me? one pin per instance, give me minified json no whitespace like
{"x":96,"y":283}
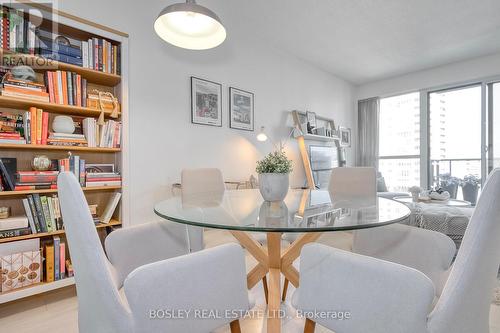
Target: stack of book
{"x":24,"y":89}
{"x":43,"y":212}
{"x":91,"y":131}
{"x":65,"y":139}
{"x":66,"y":88}
{"x":14,"y":226}
{"x":101,"y":55}
{"x":55,"y":260}
{"x":36,"y":180}
{"x":75,"y":165}
{"x":94,"y":179}
{"x":36,"y":124}
{"x":11,"y":128}
{"x":47,"y":48}
{"x":17,"y":32}
{"x":110,"y":136}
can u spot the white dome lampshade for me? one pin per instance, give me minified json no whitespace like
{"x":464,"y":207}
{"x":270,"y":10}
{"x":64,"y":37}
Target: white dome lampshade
{"x":190,"y":26}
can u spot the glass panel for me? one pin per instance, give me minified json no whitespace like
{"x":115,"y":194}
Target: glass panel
{"x":455,"y":139}
{"x":400,"y":173}
{"x":496,"y":124}
{"x":400,"y":125}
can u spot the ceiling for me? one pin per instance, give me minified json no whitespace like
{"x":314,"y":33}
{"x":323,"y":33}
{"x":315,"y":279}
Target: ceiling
{"x":368,"y":40}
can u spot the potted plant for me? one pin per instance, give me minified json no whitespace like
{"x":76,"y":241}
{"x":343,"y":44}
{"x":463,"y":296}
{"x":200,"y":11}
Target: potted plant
{"x":470,"y":188}
{"x":274,"y":171}
{"x":449,"y":184}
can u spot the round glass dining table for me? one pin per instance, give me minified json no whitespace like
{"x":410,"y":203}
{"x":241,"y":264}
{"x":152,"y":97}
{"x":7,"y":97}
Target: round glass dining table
{"x":306,"y":212}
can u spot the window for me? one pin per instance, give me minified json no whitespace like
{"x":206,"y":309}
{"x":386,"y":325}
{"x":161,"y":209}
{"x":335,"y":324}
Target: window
{"x":399,"y":141}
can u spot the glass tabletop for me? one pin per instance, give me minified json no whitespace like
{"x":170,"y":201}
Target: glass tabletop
{"x":449,"y":202}
{"x":301,"y":211}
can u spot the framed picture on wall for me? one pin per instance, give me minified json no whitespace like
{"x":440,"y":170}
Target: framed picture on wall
{"x":241,"y":109}
{"x":345,"y":136}
{"x":206,"y":102}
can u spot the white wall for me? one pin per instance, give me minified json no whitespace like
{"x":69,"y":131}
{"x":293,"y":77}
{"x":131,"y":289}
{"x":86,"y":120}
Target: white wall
{"x":455,"y":73}
{"x":162,"y":138}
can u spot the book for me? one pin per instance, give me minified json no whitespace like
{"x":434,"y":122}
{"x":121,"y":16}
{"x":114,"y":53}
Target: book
{"x":62,"y":260}
{"x":33,"y":122}
{"x":8,"y":167}
{"x":13,"y":141}
{"x":49,"y":263}
{"x":44,"y":99}
{"x":57,"y":212}
{"x":29,"y":215}
{"x":40,"y":186}
{"x":82,"y":173}
{"x":31,"y":203}
{"x":46,"y":214}
{"x":50,"y":205}
{"x":45,"y":127}
{"x":69,"y":268}
{"x":39,"y":212}
{"x":14,"y":222}
{"x":33,"y":177}
{"x":57,"y":252}
{"x":39,"y":124}
{"x":27,"y":126}
{"x":110,"y":207}
{"x":15,"y":233}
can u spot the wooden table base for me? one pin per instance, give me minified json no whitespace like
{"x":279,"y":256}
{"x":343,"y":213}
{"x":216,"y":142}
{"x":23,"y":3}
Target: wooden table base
{"x":272,"y":262}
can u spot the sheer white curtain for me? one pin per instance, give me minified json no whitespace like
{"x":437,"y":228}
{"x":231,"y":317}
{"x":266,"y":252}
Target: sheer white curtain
{"x":368,"y":120}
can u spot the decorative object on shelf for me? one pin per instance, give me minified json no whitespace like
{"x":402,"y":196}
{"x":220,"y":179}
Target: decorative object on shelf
{"x":190,"y":26}
{"x":470,"y":188}
{"x":262,"y":136}
{"x":41,"y":163}
{"x":345,"y":136}
{"x":206,"y":102}
{"x":24,"y":73}
{"x":415,"y":192}
{"x":274,"y":171}
{"x":63,"y":124}
{"x":104,"y":101}
{"x":4,"y":212}
{"x":241,"y":109}
{"x":311,"y":122}
{"x":450,"y":184}
{"x":20,"y":270}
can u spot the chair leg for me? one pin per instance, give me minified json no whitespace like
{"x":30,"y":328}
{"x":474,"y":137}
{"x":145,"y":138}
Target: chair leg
{"x":266,"y":291}
{"x":309,"y":326}
{"x":235,"y":326}
{"x":285,"y":289}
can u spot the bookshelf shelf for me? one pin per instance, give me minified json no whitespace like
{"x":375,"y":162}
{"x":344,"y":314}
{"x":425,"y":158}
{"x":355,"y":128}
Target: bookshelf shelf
{"x":92,"y":76}
{"x":35,"y":289}
{"x":54,"y":233}
{"x":64,"y":148}
{"x":5,"y":194}
{"x":25,"y":104}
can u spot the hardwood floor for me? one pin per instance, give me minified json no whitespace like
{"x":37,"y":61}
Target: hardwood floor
{"x":56,"y":312}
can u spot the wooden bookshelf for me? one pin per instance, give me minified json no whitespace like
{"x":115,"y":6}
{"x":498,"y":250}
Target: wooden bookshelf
{"x":70,"y":110}
{"x":75,"y":28}
{"x":92,"y":75}
{"x":112,"y":223}
{"x":64,"y":148}
{"x":48,"y":191}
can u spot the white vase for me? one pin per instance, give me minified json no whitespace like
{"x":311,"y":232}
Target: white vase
{"x":273,"y":186}
{"x":63,"y":124}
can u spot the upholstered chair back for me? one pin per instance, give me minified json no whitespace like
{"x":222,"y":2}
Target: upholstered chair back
{"x":100,"y":307}
{"x":464,"y":305}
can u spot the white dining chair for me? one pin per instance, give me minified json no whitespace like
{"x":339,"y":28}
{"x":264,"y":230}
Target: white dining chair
{"x":199,"y":181}
{"x":385,"y":297}
{"x":213,"y":279}
{"x":428,"y":251}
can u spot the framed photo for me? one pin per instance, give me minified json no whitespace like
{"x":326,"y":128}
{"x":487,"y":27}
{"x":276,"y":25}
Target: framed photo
{"x":345,"y":136}
{"x":206,"y":102}
{"x":241,"y":110}
{"x":311,"y":118}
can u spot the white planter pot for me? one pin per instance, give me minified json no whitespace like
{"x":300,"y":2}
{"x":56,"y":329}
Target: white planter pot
{"x":63,"y":124}
{"x":273,"y":186}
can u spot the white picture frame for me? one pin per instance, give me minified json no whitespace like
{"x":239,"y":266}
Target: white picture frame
{"x":241,"y":109}
{"x":206,"y":102}
{"x":345,"y":136}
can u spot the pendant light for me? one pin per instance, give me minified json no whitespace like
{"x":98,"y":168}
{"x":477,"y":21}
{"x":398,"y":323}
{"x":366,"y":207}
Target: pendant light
{"x":190,"y":26}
